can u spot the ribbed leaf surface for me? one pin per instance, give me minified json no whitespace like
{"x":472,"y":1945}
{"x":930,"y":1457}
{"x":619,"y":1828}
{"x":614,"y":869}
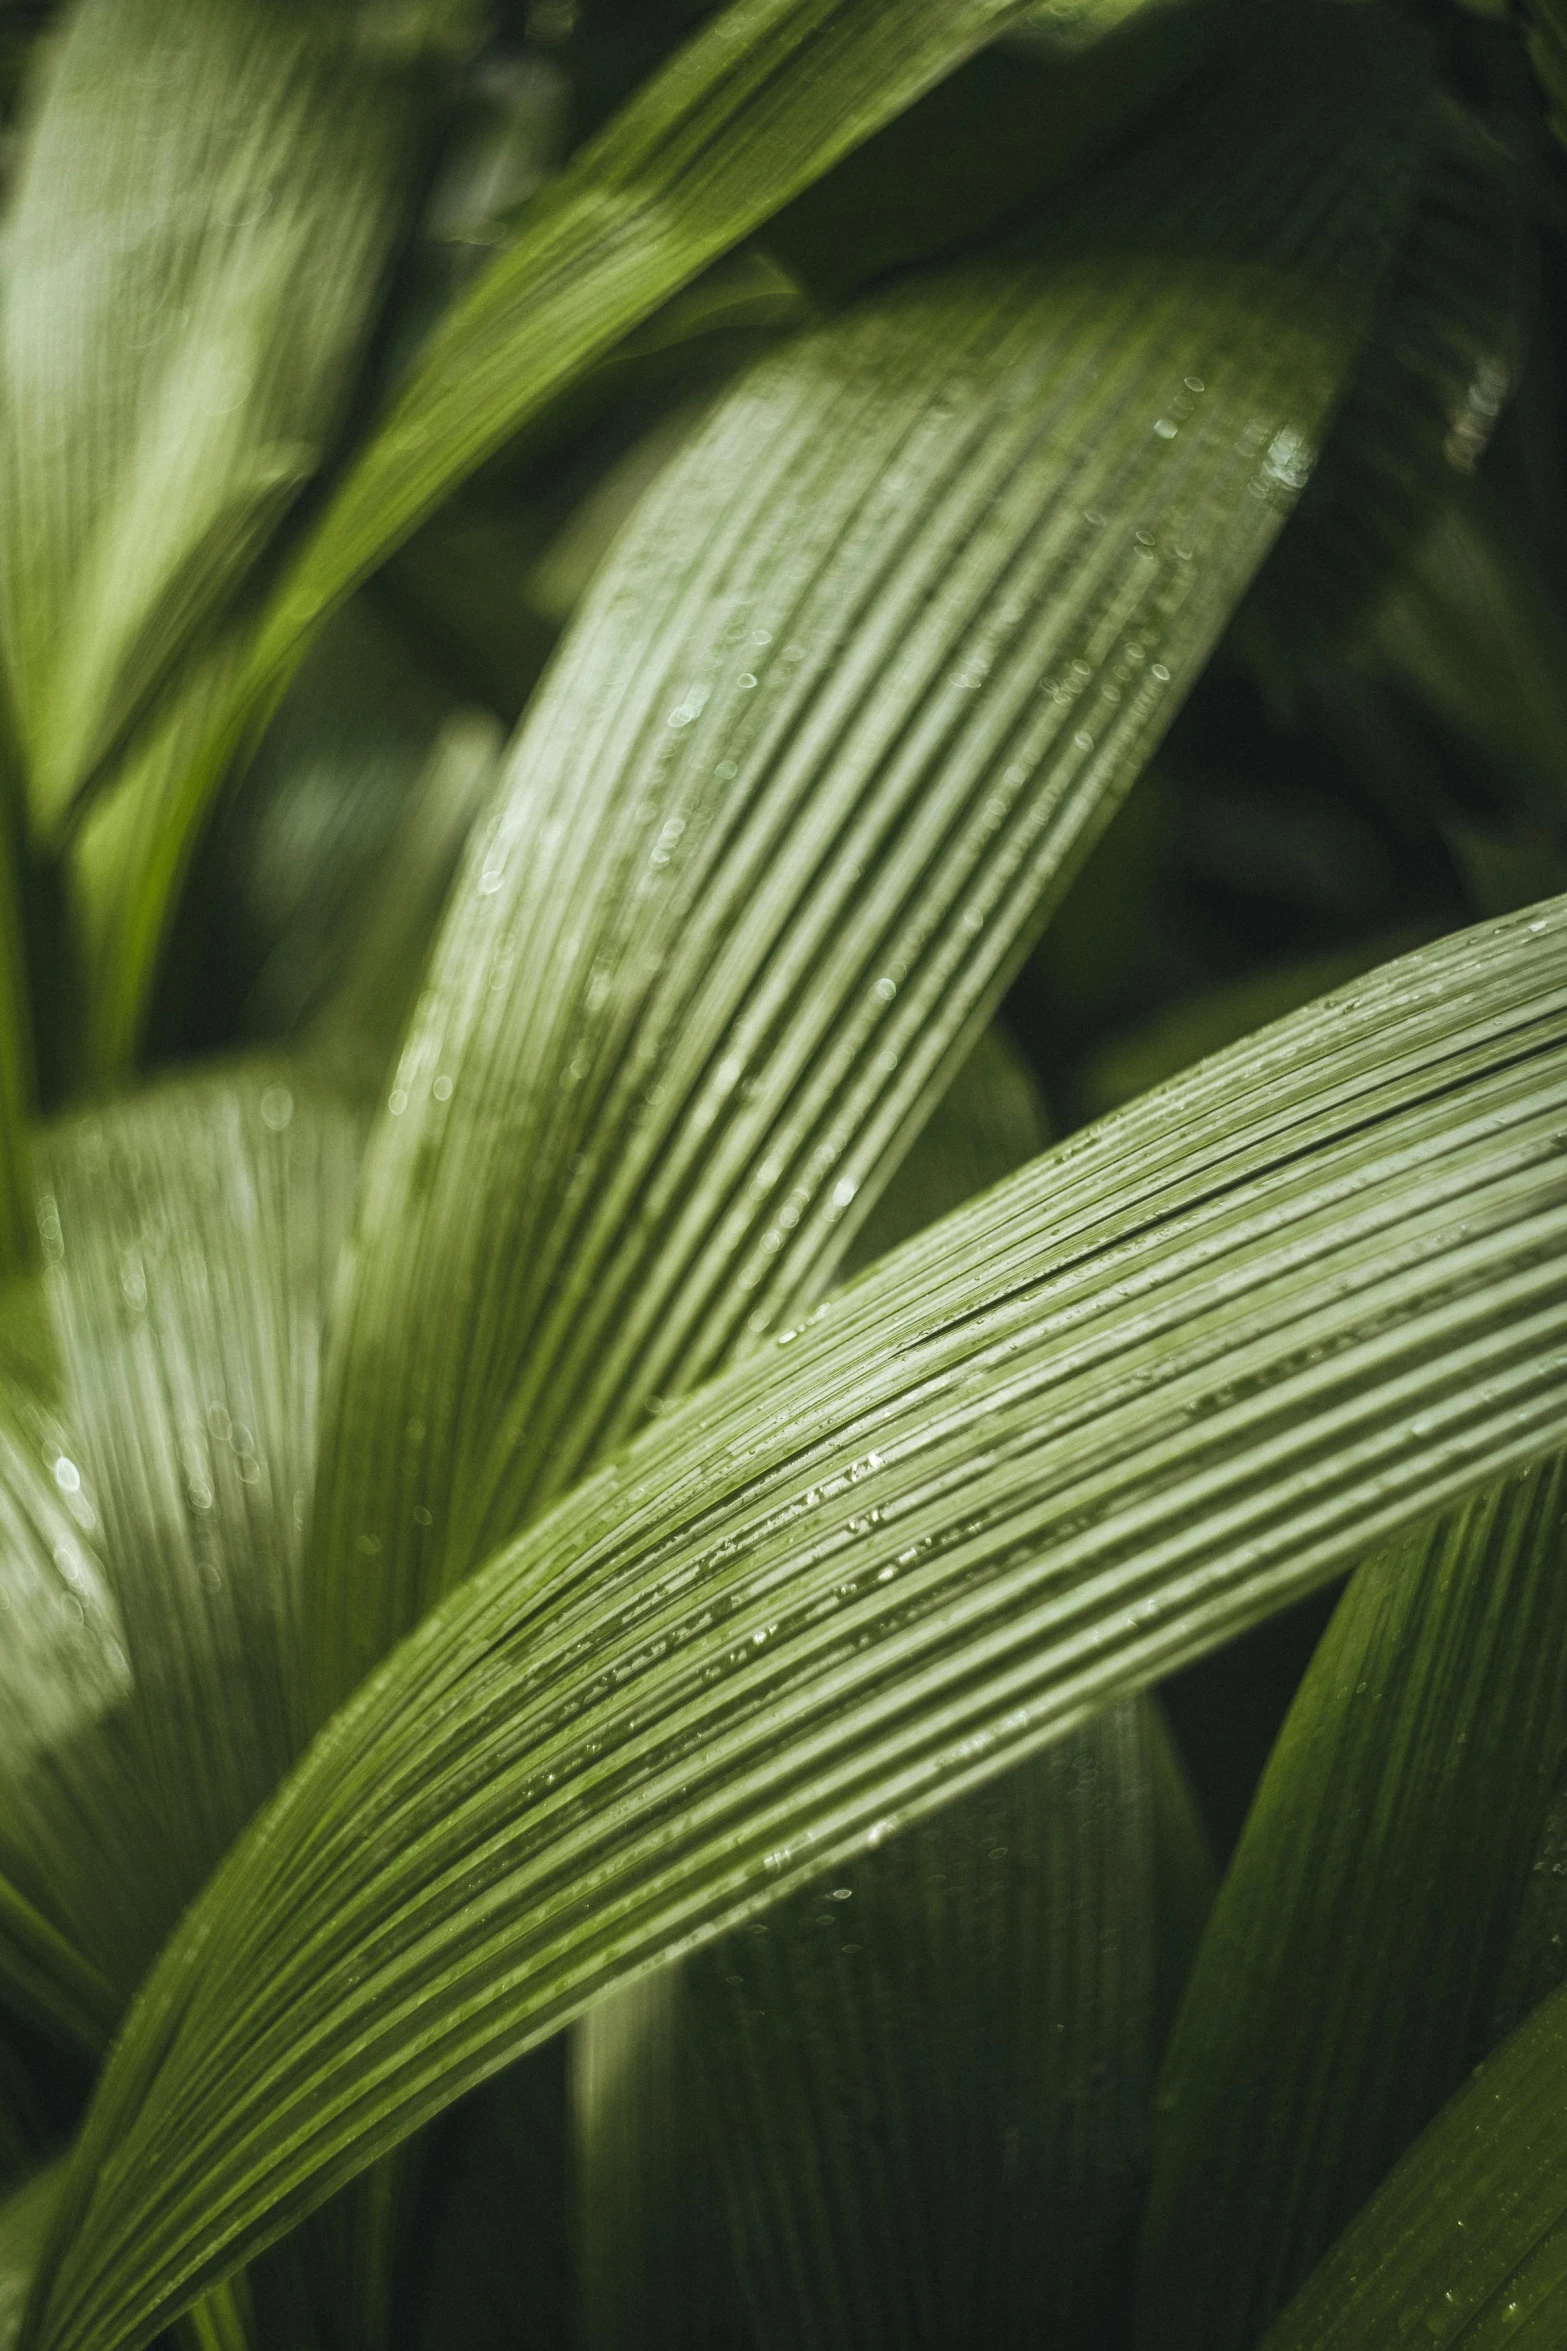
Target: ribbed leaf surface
{"x":874,"y":660}
{"x":1465,"y":2248}
{"x":1348,"y":1977}
{"x":198,"y":232}
{"x":1177,"y":1373}
{"x":190,"y":1238}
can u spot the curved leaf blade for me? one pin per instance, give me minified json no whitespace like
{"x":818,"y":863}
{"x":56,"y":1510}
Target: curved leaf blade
{"x":1349,"y":1974}
{"x":1174,"y":1375}
{"x":1468,"y":2239}
{"x":203,"y":215}
{"x":874,"y":661}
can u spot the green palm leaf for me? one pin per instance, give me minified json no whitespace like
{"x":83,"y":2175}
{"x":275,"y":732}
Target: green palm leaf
{"x":1349,"y":1975}
{"x":202,"y":217}
{"x":1178,"y":1372}
{"x":1468,"y":2240}
{"x":760,"y":103}
{"x":870,"y":667}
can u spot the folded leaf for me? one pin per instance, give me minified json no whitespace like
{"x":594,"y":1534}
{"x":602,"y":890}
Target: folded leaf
{"x":1347,"y":1981}
{"x":870,"y":667}
{"x":1174,"y":1375}
{"x":202,"y":219}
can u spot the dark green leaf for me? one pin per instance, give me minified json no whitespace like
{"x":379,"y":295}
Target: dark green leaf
{"x":25,"y":2214}
{"x":1465,"y":2248}
{"x":1183,"y":1369}
{"x":1348,"y":1977}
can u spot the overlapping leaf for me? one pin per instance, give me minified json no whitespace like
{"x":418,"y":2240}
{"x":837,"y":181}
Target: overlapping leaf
{"x":874,"y":660}
{"x":762,"y":102}
{"x":1186,"y":1367}
{"x":1465,"y":2248}
{"x":912,"y":2105}
{"x":1349,"y":1975}
{"x":25,"y":2213}
{"x":200,"y":225}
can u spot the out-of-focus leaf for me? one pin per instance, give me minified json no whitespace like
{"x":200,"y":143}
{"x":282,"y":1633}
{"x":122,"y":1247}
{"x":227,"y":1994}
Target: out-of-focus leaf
{"x":925,"y":2082}
{"x":870,"y":667}
{"x":1178,"y":1372}
{"x":25,"y":2214}
{"x":299,"y":858}
{"x":1472,"y":639}
{"x":189,"y":1239}
{"x":1418,"y":415}
{"x":747,"y":115}
{"x":1548,"y":49}
{"x":1348,"y":1977}
{"x":1465,"y":2247}
{"x":1128,"y":1065}
{"x":1014,"y":122}
{"x":756,"y":106}
{"x":201,"y":222}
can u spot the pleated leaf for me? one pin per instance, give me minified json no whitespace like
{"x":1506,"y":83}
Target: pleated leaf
{"x":63,"y":1677}
{"x":201,"y":221}
{"x":874,"y":661}
{"x":1183,"y":1369}
{"x":190,"y":1238}
{"x":1465,"y":2248}
{"x":1348,"y":1978}
{"x":911,"y":2106}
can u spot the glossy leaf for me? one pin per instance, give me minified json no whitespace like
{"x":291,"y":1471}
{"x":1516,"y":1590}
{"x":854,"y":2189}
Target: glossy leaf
{"x":1348,"y":1978}
{"x":870,"y":667}
{"x":203,"y":215}
{"x":1180,"y":1371}
{"x":922,"y":2117}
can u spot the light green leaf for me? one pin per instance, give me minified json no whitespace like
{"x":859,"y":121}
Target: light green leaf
{"x":1185,"y":1368}
{"x":190,"y":1237}
{"x":201,"y":221}
{"x":871,"y":666}
{"x":1348,"y":1977}
{"x":25,"y":2214}
{"x":1465,"y":2248}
